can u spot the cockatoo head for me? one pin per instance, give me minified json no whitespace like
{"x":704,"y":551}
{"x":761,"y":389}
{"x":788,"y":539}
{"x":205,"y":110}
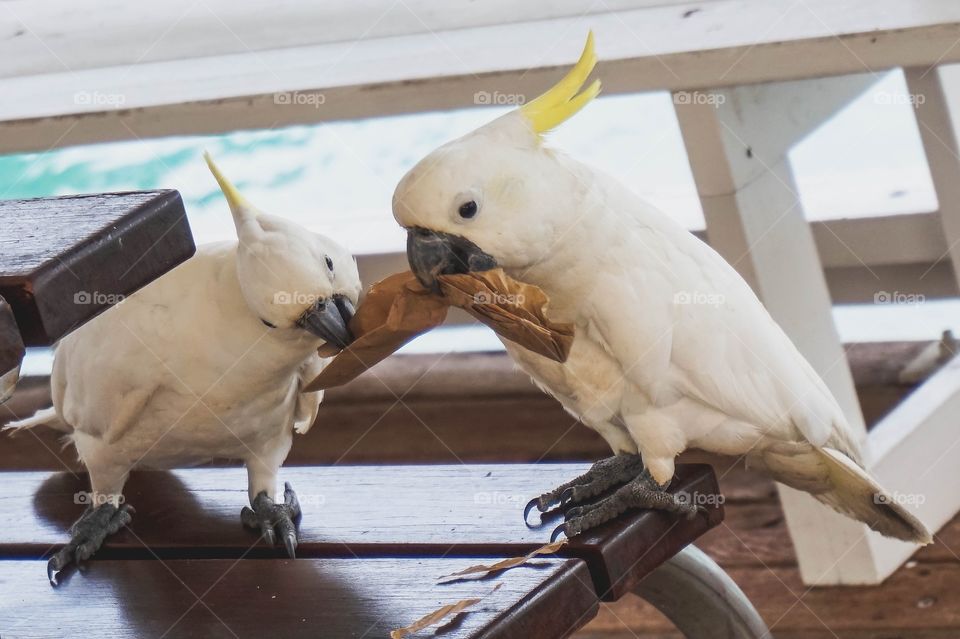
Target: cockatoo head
{"x":497,"y":196}
{"x":293,"y":280}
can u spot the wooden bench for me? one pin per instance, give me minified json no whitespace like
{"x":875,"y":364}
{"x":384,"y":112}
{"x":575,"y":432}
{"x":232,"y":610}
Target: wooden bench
{"x":374,"y":540}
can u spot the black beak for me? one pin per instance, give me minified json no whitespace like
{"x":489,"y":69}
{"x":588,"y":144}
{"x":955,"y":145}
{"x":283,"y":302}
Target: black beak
{"x":432,"y":253}
{"x":330,"y":320}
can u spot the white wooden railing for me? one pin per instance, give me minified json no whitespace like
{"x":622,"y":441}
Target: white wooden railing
{"x":75,"y":73}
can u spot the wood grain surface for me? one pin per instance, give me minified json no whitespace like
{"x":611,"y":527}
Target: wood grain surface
{"x":64,"y":260}
{"x":354,"y":511}
{"x":328,"y":598}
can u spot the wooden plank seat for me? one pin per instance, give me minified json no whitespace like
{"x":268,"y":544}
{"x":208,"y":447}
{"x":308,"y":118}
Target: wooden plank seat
{"x":460,"y":510}
{"x":335,"y":598}
{"x":460,"y":514}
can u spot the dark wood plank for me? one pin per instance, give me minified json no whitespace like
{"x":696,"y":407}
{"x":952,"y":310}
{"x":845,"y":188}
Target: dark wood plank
{"x":368,"y":511}
{"x":64,"y":260}
{"x":335,"y":598}
{"x":11,"y":351}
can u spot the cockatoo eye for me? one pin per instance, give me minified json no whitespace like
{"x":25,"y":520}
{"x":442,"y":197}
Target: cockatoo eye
{"x":468,"y":209}
{"x":329,"y":262}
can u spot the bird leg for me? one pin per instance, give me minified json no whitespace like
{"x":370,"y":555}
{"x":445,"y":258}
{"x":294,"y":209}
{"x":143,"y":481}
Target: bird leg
{"x":606,"y":473}
{"x":642,"y":492}
{"x":267,"y":516}
{"x":87,"y":535}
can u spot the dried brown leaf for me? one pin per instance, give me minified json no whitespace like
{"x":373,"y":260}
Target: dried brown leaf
{"x":505,"y":564}
{"x":439,"y":615}
{"x":398,"y":308}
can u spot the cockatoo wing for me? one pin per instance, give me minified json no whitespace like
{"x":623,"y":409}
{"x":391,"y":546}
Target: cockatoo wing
{"x":308,"y":404}
{"x":725,"y":350}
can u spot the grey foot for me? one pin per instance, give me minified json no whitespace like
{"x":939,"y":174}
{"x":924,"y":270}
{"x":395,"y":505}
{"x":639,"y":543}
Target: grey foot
{"x":88,"y":533}
{"x":641,"y":492}
{"x":274,"y":519}
{"x":605,"y":474}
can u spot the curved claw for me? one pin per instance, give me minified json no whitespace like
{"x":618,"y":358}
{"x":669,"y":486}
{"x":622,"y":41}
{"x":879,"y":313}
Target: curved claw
{"x":269,"y":535}
{"x":248,"y":517}
{"x":52,"y":571}
{"x":566,"y":496}
{"x":533,"y":503}
{"x":562,"y":528}
{"x":290,"y":541}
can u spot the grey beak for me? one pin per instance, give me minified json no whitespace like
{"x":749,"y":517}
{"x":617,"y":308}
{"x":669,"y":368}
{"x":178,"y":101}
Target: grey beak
{"x":432,"y":253}
{"x":330,"y":320}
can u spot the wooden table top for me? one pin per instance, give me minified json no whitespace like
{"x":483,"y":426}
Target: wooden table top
{"x":64,"y":260}
{"x":358,"y":511}
{"x":329,"y":598}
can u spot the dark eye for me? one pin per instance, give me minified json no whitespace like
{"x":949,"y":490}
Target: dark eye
{"x":329,"y":262}
{"x":468,"y":209}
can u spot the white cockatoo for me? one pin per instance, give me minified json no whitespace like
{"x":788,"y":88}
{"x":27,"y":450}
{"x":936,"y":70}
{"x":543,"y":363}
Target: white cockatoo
{"x":649,"y":371}
{"x":205,"y":362}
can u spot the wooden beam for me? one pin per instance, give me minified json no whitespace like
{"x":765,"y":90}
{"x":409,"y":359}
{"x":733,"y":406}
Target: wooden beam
{"x":937,"y":119}
{"x":64,"y":260}
{"x":738,"y":143}
{"x":59,"y":33}
{"x":71,"y":97}
{"x":921,"y":429}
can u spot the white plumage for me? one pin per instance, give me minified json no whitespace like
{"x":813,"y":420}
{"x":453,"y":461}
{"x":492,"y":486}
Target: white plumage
{"x":673,"y":349}
{"x":205,"y":362}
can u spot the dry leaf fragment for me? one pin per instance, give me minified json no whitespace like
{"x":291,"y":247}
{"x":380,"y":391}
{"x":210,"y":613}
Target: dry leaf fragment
{"x":506,"y":564}
{"x":398,"y":308}
{"x":439,"y":615}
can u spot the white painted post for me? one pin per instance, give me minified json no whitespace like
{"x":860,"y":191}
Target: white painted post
{"x":738,"y":143}
{"x":936,"y":119}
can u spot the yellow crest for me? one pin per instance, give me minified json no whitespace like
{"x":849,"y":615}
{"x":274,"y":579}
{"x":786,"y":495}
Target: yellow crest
{"x":561,"y":101}
{"x":234,"y":199}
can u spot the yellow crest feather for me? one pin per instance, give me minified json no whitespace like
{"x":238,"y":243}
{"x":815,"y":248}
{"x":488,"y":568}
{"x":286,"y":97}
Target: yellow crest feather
{"x":234,"y":198}
{"x":561,"y":101}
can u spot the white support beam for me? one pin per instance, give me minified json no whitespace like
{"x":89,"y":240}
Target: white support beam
{"x":737,"y":144}
{"x":219,"y":66}
{"x":739,"y":156}
{"x":916,"y":452}
{"x":937,"y":118}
